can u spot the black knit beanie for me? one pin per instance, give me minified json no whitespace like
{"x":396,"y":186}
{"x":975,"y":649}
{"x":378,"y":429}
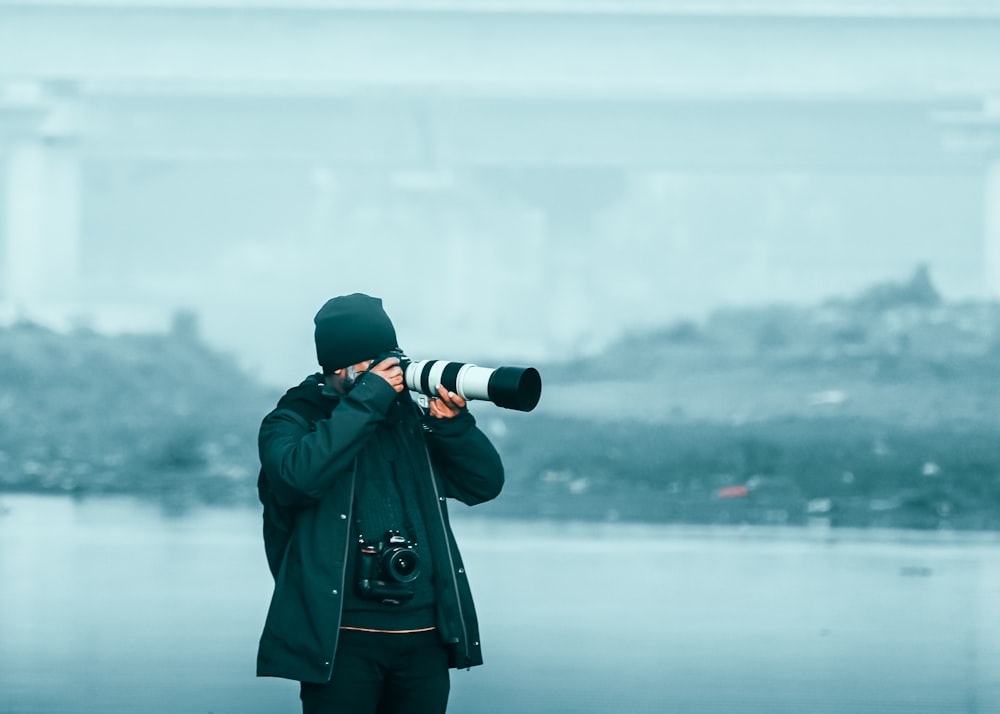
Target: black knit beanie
{"x":351,"y":329}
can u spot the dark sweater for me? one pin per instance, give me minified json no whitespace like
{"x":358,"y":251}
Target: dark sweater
{"x":387,"y":499}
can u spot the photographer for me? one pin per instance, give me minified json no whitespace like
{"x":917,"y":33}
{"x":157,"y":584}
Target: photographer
{"x":371,"y":605}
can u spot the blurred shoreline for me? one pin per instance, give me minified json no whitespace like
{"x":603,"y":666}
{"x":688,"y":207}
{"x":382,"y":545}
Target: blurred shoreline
{"x":875,"y":411}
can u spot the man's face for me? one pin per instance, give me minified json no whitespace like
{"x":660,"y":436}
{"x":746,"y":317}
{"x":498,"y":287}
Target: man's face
{"x":349,"y":375}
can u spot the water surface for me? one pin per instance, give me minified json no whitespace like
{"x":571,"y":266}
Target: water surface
{"x":112,"y":605}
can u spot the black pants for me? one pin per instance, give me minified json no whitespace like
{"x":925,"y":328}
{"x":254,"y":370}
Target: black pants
{"x":381,"y":673}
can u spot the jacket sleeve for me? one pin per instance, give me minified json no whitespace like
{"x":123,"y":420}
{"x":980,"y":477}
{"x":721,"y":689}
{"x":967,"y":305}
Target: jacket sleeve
{"x":465,"y":458}
{"x":302,"y":464}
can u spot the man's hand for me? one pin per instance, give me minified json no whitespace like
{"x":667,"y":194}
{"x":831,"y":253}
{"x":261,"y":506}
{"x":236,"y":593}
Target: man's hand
{"x":389,"y":370}
{"x":446,"y":405}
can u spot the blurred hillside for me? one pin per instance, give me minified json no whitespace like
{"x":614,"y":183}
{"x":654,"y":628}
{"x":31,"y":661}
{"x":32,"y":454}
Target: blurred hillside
{"x":878,"y":409}
{"x":152,"y":414}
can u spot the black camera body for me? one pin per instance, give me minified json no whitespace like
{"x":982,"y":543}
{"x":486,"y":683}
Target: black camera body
{"x":386,"y":567}
{"x":404,"y":361}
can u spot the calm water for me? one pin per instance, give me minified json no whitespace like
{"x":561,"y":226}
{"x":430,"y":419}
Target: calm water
{"x":111,"y":606}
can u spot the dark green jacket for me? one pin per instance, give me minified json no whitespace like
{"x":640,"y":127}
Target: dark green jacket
{"x":313,"y":446}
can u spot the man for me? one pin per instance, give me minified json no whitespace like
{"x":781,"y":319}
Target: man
{"x":371,"y":605}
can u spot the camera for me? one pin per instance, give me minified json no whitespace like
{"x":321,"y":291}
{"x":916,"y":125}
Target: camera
{"x":517,"y":388}
{"x":386,"y":567}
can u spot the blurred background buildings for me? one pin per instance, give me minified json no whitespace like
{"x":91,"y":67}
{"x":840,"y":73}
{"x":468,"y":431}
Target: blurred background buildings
{"x":518,"y":179}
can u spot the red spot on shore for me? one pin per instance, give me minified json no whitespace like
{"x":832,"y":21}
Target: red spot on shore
{"x":734,"y":492}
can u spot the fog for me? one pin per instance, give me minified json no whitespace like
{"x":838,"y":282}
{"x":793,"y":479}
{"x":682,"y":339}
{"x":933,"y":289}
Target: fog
{"x":517,"y":264}
{"x":518,"y":180}
{"x":752,"y":245}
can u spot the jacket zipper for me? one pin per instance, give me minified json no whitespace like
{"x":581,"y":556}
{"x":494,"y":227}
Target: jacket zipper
{"x":451,"y":560}
{"x":347,"y":550}
{"x":347,"y":544}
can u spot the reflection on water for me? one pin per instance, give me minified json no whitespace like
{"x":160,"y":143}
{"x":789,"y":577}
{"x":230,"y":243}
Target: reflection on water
{"x":111,"y":606}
